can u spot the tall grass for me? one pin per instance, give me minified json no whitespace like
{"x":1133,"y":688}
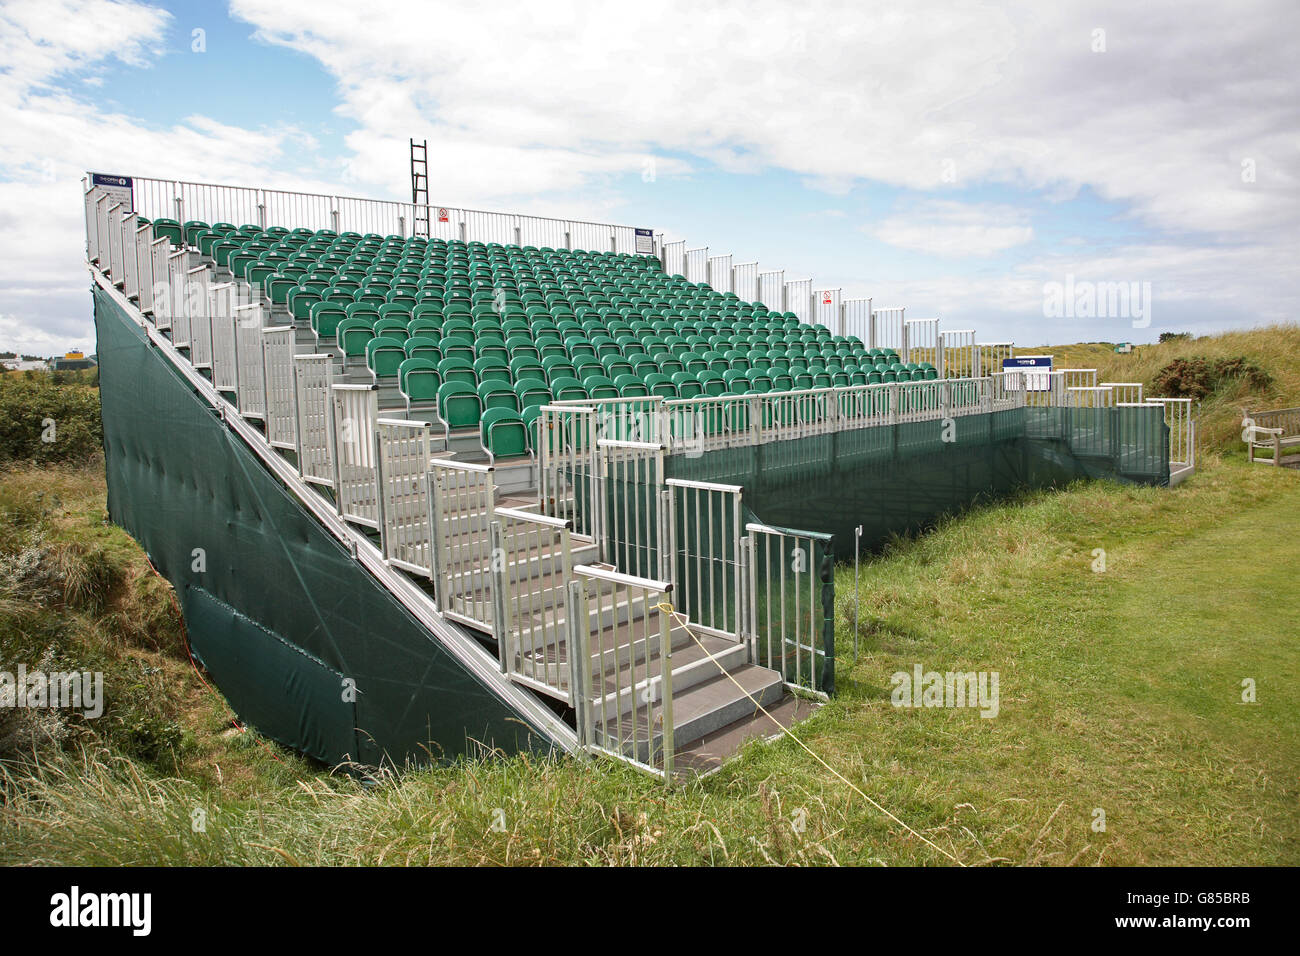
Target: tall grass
{"x":1275,"y":348}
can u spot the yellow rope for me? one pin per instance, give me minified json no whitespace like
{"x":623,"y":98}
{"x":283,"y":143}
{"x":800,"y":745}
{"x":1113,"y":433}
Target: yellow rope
{"x":666,"y":608}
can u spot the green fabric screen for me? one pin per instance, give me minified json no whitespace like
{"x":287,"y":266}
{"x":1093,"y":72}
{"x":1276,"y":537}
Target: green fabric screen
{"x":897,"y":479}
{"x":280,"y":612}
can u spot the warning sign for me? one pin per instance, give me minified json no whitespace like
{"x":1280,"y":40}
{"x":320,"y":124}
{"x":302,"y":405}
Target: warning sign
{"x":444,"y":216}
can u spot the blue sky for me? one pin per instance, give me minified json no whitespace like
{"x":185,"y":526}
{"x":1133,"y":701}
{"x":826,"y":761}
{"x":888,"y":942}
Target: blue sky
{"x":953,"y":158}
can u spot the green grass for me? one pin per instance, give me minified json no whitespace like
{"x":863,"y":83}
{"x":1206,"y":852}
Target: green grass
{"x":1119,"y":691}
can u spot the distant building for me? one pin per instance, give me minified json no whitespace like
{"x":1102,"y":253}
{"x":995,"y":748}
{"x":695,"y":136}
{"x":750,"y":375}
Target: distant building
{"x":1124,"y":348}
{"x":24,"y":365}
{"x":73,"y":361}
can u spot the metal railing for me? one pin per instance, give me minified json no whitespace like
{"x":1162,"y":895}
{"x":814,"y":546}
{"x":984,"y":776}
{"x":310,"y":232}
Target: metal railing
{"x":198,"y":286}
{"x":461,"y":498}
{"x":314,"y":391}
{"x":281,"y":395}
{"x":402,"y":452}
{"x":622,"y":667}
{"x":535,"y":563}
{"x":356,"y":411}
{"x":1181,"y":420}
{"x":631,"y":528}
{"x":244,"y":205}
{"x":250,"y":382}
{"x":567,"y":464}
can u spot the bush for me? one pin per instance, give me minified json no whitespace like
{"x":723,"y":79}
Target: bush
{"x":1198,"y":377}
{"x":42,"y":420}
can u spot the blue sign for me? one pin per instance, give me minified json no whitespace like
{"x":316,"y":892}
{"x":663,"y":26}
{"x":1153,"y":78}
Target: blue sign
{"x":101,"y":179}
{"x":116,"y":187}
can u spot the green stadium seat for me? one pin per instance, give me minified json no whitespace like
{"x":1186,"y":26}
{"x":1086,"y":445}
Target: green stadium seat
{"x":503,"y":434}
{"x":384,"y":355}
{"x":418,"y":381}
{"x":496,"y":393}
{"x":459,"y":405}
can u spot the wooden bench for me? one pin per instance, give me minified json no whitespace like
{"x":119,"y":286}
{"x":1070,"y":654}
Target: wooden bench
{"x":1277,"y":429}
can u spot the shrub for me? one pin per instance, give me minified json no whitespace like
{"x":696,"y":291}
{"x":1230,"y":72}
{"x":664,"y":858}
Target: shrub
{"x":44,"y":421}
{"x":1197,"y":377}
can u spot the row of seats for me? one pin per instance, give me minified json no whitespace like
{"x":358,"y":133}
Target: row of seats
{"x":486,"y":333}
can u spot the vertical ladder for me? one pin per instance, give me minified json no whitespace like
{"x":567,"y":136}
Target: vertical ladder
{"x":420,"y":187}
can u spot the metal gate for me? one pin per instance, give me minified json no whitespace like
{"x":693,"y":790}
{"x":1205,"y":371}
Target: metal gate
{"x":705,"y":525}
{"x":566,"y":439}
{"x":630,"y":532}
{"x":792,"y":604}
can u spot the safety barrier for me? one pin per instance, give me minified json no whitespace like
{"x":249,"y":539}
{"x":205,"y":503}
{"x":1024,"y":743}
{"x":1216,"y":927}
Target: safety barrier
{"x":1181,"y":422}
{"x":630,"y":525}
{"x":402,"y":453}
{"x":622,"y":667}
{"x":990,"y":355}
{"x":674,"y":258}
{"x":356,"y":411}
{"x":178,"y":290}
{"x":798,"y":298}
{"x":313,"y":402}
{"x":720,"y":274}
{"x":239,"y":205}
{"x":957,"y":356}
{"x":250,"y":383}
{"x":888,"y":329}
{"x":697,"y":265}
{"x":198,"y":286}
{"x":858,"y":321}
{"x":534,"y":564}
{"x":744,"y":279}
{"x":827,"y":309}
{"x":461,"y":498}
{"x":281,"y":396}
{"x":567,"y":464}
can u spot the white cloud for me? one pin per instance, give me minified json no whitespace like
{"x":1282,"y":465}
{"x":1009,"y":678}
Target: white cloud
{"x":947,"y":228}
{"x":548,"y":108}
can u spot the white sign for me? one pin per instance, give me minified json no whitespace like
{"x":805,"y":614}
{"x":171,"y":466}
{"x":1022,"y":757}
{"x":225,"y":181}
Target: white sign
{"x":645,"y":242}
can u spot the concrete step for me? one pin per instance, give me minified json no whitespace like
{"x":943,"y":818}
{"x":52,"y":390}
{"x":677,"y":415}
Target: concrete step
{"x":710,"y":751}
{"x":698,"y":711}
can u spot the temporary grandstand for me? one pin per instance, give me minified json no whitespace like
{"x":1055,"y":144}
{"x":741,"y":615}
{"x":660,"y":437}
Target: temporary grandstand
{"x":530,"y":483}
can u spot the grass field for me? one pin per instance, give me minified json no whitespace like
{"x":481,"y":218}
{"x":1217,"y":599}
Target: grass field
{"x":1121,"y":690}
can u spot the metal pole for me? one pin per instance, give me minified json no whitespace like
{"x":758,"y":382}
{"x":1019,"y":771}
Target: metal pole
{"x":857,"y":596}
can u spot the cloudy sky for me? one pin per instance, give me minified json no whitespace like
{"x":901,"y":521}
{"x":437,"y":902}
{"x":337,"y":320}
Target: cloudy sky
{"x":956,"y":158}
